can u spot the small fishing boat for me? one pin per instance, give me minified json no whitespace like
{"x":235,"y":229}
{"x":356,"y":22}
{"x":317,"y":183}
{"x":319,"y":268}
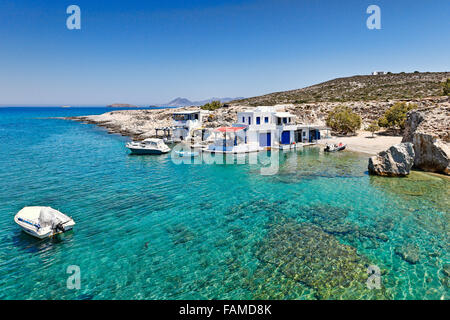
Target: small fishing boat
{"x":43,"y":222}
{"x":334,"y":147}
{"x":187,"y":153}
{"x":148,"y":146}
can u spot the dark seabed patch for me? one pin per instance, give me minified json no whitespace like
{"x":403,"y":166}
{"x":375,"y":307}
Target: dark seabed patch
{"x":180,"y":233}
{"x":305,"y":253}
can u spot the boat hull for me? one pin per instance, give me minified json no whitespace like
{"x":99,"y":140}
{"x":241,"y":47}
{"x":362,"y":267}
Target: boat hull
{"x":138,"y":151}
{"x":43,"y":235}
{"x":35,"y":234}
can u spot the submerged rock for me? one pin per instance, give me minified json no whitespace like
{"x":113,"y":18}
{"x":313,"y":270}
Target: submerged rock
{"x":331,"y":219}
{"x":180,"y":234}
{"x":409,"y":252}
{"x":334,"y":221}
{"x":396,"y":161}
{"x":305,"y":253}
{"x":246,"y":209}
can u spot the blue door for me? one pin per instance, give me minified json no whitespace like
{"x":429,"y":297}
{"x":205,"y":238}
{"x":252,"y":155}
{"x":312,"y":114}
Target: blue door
{"x":286,"y":137}
{"x":314,"y":135}
{"x":264,"y":139}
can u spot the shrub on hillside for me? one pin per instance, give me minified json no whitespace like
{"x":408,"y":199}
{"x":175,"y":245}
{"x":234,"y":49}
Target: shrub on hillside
{"x":446,"y":87}
{"x":395,"y":116}
{"x":211,"y":106}
{"x":373,"y":127}
{"x":343,"y":120}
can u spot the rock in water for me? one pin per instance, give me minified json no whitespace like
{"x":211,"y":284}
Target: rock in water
{"x":396,"y":161}
{"x":432,"y":154}
{"x":428,"y":129}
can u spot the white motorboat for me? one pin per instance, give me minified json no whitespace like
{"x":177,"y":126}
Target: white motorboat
{"x":43,"y":222}
{"x":148,"y":146}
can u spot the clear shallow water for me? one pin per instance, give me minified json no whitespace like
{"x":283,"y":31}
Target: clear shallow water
{"x":150,"y":229}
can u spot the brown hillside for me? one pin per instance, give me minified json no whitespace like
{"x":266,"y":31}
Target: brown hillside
{"x":359,"y":88}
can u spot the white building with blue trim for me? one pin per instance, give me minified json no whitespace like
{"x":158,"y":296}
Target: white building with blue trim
{"x":185,"y":122}
{"x":262,"y":128}
{"x":270,"y":128}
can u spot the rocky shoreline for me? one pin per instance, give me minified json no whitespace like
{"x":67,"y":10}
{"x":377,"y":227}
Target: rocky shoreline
{"x":426,"y":127}
{"x":140,"y":124}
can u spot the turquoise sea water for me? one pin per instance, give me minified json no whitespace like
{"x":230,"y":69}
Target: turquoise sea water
{"x":148,"y":228}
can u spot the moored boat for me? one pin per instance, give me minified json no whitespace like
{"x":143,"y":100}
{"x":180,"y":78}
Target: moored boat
{"x":148,"y":146}
{"x":335,"y":147}
{"x":43,"y":222}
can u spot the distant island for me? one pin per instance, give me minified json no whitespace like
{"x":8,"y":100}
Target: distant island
{"x":122,"y":105}
{"x":183,"y":102}
{"x":176,"y":103}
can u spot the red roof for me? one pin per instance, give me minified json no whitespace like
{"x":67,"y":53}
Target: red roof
{"x":229,"y":129}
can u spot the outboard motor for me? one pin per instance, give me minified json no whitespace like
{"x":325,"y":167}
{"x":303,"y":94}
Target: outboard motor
{"x":60,"y":227}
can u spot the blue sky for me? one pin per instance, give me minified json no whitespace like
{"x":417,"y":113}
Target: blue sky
{"x":146,"y":52}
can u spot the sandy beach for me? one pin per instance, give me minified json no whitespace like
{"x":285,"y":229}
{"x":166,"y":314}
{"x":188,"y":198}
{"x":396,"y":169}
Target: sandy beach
{"x":365,"y":143}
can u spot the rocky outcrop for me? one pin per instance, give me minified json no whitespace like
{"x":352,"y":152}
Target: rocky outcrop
{"x":429,"y":130}
{"x":432,"y":154}
{"x":414,"y":118}
{"x":396,"y":161}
